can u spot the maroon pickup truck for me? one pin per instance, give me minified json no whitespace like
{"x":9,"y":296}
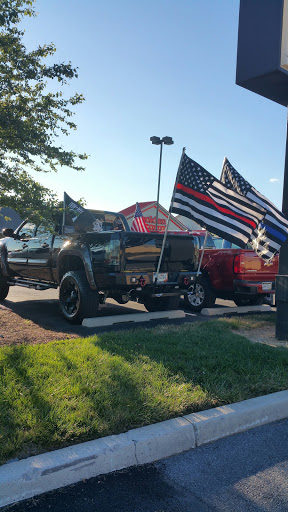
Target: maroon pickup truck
{"x":228,"y":272}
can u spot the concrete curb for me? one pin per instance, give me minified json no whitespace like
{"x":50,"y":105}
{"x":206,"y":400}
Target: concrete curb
{"x":238,"y":309}
{"x":33,"y":476}
{"x":132,"y":317}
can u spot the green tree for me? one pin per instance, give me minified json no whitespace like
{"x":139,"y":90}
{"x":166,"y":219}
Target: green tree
{"x":31,"y":116}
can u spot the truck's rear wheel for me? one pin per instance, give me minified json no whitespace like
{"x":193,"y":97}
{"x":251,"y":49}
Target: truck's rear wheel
{"x":256,"y":300}
{"x":4,"y":287}
{"x":76,"y":299}
{"x":201,"y":297}
{"x":161,"y":303}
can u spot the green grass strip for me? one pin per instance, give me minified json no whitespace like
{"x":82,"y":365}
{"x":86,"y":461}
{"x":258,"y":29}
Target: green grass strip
{"x":65,"y":392}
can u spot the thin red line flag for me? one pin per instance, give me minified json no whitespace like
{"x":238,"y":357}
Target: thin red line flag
{"x":204,"y":199}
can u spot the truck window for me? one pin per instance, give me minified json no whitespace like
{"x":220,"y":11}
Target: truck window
{"x":111,"y":221}
{"x":27,"y":231}
{"x":218,"y":243}
{"x":47,"y":230}
{"x":209,"y":242}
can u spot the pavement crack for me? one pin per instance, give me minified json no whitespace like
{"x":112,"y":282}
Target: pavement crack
{"x":135,"y":451}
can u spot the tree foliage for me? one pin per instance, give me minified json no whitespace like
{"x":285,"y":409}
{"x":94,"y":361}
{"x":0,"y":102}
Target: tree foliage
{"x":31,"y":116}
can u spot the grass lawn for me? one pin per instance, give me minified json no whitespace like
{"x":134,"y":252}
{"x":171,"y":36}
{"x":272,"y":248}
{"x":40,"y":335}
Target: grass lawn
{"x":64,"y":392}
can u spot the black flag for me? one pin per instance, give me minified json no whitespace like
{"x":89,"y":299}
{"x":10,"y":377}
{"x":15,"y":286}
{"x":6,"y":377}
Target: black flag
{"x":76,"y":217}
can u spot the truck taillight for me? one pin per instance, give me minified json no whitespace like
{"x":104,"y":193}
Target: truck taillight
{"x":238,"y":264}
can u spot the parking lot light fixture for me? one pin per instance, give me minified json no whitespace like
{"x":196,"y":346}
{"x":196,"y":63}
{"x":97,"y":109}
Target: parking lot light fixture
{"x":159,"y":142}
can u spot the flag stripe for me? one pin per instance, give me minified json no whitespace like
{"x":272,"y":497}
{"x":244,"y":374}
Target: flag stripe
{"x":268,"y":205}
{"x":213,"y":215}
{"x":254,"y":218}
{"x":235,"y":197}
{"x":211,"y":201}
{"x":267,"y":249}
{"x":271,"y":220}
{"x":214,"y":212}
{"x":273,"y":230}
{"x":251,"y":209}
{"x":262,"y":250}
{"x":211,"y":224}
{"x":275,"y":233}
{"x":198,"y":210}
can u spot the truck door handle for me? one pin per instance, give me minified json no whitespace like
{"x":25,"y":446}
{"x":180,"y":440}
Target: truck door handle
{"x":44,"y":245}
{"x":24,"y":246}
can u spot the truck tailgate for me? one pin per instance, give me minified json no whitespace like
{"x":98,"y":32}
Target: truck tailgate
{"x":253,"y":264}
{"x":141,"y":251}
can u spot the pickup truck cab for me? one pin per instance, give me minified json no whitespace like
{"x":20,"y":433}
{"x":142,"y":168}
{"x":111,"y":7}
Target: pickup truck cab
{"x":229,"y":272}
{"x":90,"y":266}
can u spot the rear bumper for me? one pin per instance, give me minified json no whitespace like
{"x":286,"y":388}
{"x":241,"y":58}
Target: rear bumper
{"x":253,"y":287}
{"x":176,"y":284}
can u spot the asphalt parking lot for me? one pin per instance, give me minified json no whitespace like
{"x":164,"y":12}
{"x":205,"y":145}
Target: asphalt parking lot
{"x":42,"y":308}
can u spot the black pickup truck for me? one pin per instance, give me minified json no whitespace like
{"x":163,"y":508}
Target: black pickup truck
{"x":90,"y":266}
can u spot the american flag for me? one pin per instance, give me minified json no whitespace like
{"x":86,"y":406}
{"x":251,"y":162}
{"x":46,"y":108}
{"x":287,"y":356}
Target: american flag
{"x":273,"y":230}
{"x":204,"y":199}
{"x":138,"y":223}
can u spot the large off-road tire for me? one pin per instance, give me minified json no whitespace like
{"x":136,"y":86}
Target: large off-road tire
{"x":76,"y":299}
{"x":161,"y":303}
{"x":255,"y":300}
{"x":4,"y":287}
{"x":201,"y":297}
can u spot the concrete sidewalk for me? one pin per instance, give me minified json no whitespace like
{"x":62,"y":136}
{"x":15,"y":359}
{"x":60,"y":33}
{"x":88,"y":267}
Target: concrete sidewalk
{"x":33,"y":476}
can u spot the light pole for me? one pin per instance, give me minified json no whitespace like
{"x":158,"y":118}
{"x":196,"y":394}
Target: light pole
{"x":159,"y":142}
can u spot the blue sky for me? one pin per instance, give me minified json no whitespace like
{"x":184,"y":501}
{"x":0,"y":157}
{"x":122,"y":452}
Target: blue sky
{"x":158,"y":67}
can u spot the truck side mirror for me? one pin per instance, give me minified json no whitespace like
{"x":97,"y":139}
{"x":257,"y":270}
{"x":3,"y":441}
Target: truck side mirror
{"x":8,"y":232}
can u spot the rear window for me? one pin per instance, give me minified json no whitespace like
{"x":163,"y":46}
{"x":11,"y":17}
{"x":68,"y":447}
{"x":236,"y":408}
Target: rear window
{"x":220,"y":243}
{"x":209,"y":242}
{"x":109,"y":222}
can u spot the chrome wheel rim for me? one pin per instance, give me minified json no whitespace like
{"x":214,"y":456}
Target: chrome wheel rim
{"x":196,"y":298}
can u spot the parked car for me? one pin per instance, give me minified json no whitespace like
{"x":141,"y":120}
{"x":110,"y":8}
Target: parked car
{"x":90,"y":266}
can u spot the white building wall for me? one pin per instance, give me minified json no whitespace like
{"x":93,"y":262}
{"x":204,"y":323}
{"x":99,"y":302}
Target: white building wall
{"x":149,"y":215}
{"x":191,"y":224}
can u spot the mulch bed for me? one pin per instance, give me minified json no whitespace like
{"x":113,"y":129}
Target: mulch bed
{"x":15,"y":330}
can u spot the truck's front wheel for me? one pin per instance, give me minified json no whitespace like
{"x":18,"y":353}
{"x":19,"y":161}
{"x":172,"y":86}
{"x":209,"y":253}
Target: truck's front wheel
{"x":76,"y":299}
{"x":161,"y":303}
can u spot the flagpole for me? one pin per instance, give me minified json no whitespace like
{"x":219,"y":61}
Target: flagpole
{"x":167,"y":225}
{"x":201,"y":257}
{"x":64,"y":214}
{"x":222,"y":168}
